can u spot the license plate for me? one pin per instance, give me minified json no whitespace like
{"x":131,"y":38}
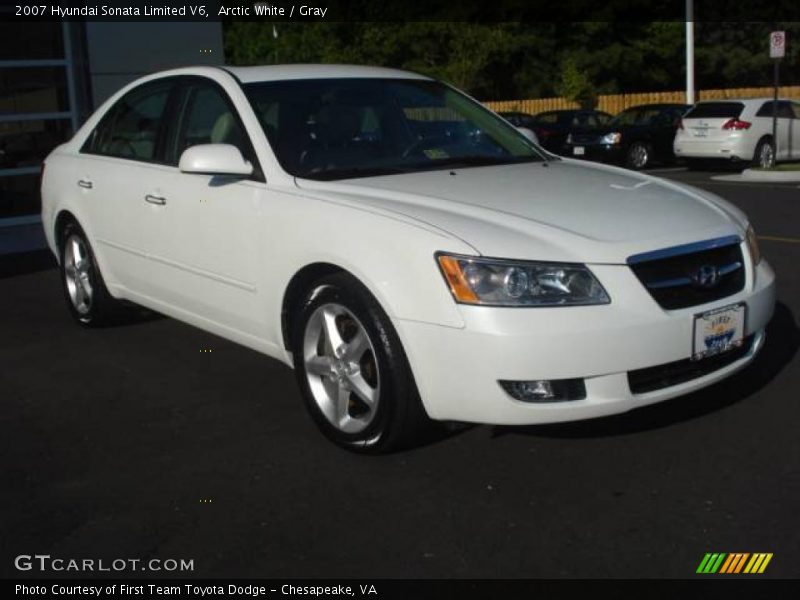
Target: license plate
{"x":579,"y":150}
{"x":700,"y":133}
{"x":718,"y":331}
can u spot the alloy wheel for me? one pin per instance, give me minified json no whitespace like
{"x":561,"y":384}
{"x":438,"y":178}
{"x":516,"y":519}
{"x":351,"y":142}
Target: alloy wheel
{"x":639,"y":156}
{"x":766,"y":156}
{"x":77,"y":268}
{"x":341,"y":368}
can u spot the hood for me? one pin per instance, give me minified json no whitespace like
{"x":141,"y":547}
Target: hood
{"x":563,"y":210}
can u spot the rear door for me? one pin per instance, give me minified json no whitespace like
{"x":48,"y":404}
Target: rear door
{"x":795,"y":130}
{"x":705,"y":121}
{"x":123,"y":152}
{"x":664,"y":126}
{"x":784,"y":123}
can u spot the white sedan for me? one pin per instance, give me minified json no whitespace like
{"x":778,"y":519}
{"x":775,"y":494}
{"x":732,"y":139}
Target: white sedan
{"x":740,"y":131}
{"x":412,"y":255}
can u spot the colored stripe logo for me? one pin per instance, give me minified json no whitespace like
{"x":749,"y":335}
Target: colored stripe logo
{"x":734,"y":563}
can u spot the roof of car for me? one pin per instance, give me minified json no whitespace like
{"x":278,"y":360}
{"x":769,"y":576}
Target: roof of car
{"x":744,"y":100}
{"x":661,"y":105}
{"x":283,"y":72}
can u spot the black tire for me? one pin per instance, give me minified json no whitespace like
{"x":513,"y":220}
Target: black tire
{"x":101,"y":309}
{"x":399,"y":419}
{"x":762,"y":145}
{"x":639,"y":156}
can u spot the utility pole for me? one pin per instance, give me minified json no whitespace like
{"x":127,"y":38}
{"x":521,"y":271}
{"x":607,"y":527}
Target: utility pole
{"x":689,"y":52}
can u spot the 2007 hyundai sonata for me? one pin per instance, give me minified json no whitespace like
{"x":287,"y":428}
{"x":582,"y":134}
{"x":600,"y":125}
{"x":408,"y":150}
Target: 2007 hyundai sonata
{"x":411,"y":254}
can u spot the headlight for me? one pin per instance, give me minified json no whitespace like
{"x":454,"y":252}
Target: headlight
{"x":496,"y":282}
{"x":612,"y":138}
{"x":752,"y":245}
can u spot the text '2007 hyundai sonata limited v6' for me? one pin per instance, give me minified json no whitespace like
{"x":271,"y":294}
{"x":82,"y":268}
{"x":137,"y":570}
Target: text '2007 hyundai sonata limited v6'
{"x":411,"y":254}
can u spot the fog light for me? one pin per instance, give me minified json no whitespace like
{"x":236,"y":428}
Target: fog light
{"x":544,"y":390}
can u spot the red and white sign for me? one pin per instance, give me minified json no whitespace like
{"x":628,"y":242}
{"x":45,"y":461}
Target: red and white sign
{"x":777,"y":44}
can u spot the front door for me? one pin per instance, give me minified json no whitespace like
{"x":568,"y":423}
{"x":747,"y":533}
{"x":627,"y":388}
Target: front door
{"x":206,"y":252}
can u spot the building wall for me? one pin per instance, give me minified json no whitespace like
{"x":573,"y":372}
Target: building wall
{"x":53,"y":75}
{"x":121,"y":52}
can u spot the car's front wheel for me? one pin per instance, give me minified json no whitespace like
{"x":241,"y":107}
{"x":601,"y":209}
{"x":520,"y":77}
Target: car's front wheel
{"x":352,"y":370}
{"x":638,"y":156}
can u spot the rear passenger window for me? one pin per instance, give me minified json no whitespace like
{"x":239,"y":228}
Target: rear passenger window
{"x":547,"y":118}
{"x":132,"y":127}
{"x":784,"y":110}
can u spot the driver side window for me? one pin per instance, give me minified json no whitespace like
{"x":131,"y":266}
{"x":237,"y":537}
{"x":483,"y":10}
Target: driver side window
{"x":206,"y":116}
{"x":208,"y":119}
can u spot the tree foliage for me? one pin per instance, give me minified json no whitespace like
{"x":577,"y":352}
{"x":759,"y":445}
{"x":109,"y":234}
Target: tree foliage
{"x":524,"y":60}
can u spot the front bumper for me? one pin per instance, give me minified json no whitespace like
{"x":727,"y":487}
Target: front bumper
{"x":607,"y":153}
{"x":457,"y":370}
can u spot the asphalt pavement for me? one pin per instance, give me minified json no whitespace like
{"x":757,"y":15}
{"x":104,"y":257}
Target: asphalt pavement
{"x":155,"y":439}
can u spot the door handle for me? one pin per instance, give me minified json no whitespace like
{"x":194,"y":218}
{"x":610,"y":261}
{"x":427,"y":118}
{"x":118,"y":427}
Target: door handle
{"x":85,"y":184}
{"x":152,"y":199}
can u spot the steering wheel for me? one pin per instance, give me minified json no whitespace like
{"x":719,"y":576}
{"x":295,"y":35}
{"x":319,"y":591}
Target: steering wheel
{"x":425,"y":142}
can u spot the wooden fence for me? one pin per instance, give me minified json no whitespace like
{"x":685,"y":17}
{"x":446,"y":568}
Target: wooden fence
{"x":616,"y":103}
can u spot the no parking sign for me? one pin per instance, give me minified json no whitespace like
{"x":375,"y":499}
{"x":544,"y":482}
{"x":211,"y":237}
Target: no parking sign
{"x":777,"y":44}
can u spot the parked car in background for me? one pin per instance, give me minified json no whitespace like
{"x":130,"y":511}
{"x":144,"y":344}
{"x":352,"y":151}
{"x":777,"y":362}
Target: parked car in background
{"x":739,"y":130}
{"x":407,"y":251}
{"x":553,"y":127}
{"x":519,"y":119}
{"x":635,"y":138}
{"x":524,"y":123}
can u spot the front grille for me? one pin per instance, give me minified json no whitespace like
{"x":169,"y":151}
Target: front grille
{"x":663,"y":376}
{"x":675,"y":277}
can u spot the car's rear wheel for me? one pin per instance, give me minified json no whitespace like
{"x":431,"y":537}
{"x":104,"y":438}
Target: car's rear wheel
{"x":764,"y":156}
{"x":352,"y":370}
{"x":638,"y":156}
{"x":87,"y":297}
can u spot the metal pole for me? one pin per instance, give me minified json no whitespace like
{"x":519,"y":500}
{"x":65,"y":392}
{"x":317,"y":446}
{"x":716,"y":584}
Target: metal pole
{"x":689,"y":52}
{"x":775,"y":112}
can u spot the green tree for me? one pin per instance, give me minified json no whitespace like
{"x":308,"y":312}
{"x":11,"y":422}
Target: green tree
{"x":575,"y":84}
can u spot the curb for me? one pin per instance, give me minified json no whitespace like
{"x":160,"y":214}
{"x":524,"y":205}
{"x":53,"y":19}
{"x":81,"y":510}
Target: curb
{"x":753,"y":175}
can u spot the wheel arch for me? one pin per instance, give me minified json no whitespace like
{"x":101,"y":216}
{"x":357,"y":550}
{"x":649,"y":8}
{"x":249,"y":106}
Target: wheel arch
{"x":298,"y":285}
{"x":63,"y":218}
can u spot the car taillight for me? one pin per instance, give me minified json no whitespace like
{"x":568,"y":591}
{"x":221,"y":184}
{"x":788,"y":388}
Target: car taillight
{"x":736,"y":124}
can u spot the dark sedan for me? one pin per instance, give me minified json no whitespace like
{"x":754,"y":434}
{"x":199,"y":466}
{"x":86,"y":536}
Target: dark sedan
{"x":553,"y":127}
{"x":635,"y":138}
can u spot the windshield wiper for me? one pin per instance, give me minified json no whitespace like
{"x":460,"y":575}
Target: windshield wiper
{"x":482,"y":161}
{"x":351,"y":173}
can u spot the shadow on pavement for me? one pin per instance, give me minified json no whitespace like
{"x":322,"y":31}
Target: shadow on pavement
{"x":783,"y":340}
{"x":12,"y":265}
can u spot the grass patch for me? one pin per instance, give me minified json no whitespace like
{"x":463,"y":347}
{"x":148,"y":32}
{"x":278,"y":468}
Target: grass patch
{"x":790,"y":166}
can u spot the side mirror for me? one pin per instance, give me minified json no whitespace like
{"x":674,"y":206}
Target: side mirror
{"x":214,"y":159}
{"x":528,"y":133}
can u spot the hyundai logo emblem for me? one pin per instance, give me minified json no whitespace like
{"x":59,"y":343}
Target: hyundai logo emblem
{"x":706,"y":276}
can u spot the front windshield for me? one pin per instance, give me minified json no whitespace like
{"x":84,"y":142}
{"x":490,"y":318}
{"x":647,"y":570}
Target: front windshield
{"x":342,"y":128}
